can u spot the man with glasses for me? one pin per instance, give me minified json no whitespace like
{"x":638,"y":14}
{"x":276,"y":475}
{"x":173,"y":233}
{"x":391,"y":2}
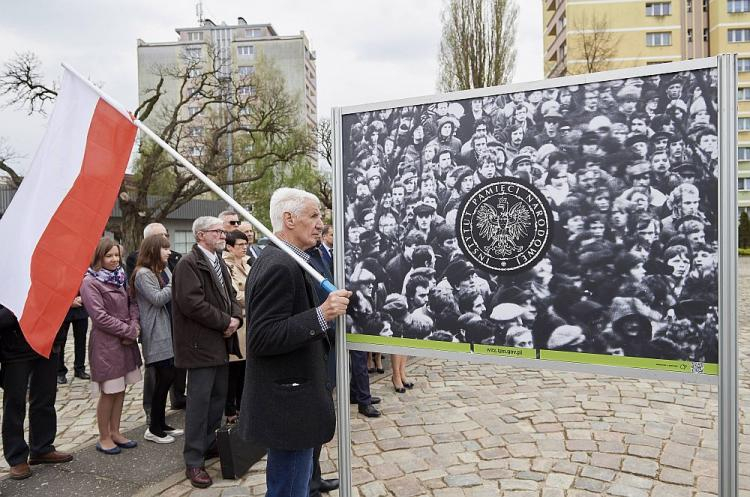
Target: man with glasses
{"x":177,"y":390}
{"x":206,"y":316}
{"x":230,"y":220}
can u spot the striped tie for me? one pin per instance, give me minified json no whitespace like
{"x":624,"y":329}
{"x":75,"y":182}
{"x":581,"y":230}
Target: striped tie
{"x":217,"y":269}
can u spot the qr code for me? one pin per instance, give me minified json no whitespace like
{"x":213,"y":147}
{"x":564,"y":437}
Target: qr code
{"x":698,"y":367}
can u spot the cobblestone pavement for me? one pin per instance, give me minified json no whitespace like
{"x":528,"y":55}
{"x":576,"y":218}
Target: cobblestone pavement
{"x":76,"y":411}
{"x":481,"y":430}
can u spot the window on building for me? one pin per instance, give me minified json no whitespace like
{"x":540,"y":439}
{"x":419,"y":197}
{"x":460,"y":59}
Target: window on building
{"x":193,"y":53}
{"x":246,"y":70}
{"x":739,"y":35}
{"x":246,"y":91}
{"x":196,"y":131}
{"x":705,"y":5}
{"x":705,"y":34}
{"x":193,"y":109}
{"x":743,"y":65}
{"x":738,"y":6}
{"x":658,"y":8}
{"x":689,"y":6}
{"x":690,"y":35}
{"x":194,"y":72}
{"x":253,"y":32}
{"x":661,"y":39}
{"x":743,"y":183}
{"x":196,"y":151}
{"x":182,"y":241}
{"x":743,"y":124}
{"x":246,"y":50}
{"x":743,"y":153}
{"x":743,"y":94}
{"x":195,"y":36}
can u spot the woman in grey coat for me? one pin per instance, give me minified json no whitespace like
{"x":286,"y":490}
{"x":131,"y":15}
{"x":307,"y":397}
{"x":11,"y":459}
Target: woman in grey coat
{"x":152,"y":288}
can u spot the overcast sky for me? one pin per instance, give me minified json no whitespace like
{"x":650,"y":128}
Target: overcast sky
{"x":367,"y":50}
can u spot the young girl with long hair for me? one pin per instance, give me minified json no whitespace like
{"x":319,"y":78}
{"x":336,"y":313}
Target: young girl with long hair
{"x":151,"y":286}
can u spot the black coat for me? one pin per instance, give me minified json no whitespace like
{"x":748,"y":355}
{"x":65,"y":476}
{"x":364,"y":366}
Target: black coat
{"x":287,"y":402}
{"x":201,"y":311}
{"x":13,"y":345}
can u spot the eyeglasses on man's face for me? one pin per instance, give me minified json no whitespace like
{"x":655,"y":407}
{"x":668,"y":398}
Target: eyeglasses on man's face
{"x":217,"y":231}
{"x":234,"y":223}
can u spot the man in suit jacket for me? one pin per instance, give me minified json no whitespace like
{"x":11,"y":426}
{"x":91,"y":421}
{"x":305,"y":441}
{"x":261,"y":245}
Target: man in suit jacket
{"x":287,"y":404}
{"x":206,"y":315}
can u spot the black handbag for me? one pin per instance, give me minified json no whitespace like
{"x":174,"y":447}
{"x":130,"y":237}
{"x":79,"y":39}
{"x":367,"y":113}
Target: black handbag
{"x":236,"y":455}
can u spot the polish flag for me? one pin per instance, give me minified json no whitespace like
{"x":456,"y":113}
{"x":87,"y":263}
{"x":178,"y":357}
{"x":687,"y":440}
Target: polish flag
{"x":51,"y":228}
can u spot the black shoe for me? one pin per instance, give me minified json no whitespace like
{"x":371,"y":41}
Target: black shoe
{"x":61,"y":379}
{"x":328,"y":485}
{"x":380,"y":370}
{"x":373,"y":400}
{"x":82,"y":375}
{"x":369,"y":411}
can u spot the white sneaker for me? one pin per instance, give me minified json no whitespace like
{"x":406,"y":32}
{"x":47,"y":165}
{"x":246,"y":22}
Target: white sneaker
{"x":167,"y":439}
{"x":175,"y":433}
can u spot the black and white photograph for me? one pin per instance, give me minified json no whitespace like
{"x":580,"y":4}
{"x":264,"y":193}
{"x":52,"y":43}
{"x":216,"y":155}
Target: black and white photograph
{"x":577,"y":218}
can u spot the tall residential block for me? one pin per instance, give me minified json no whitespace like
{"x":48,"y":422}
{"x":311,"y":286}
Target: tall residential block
{"x":594,"y":35}
{"x":240,"y":45}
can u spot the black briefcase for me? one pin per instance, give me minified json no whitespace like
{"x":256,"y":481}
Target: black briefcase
{"x":236,"y":455}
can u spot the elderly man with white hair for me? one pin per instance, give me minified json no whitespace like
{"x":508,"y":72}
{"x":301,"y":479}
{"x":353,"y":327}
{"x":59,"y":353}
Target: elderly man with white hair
{"x":287,"y":405}
{"x":205,"y":316}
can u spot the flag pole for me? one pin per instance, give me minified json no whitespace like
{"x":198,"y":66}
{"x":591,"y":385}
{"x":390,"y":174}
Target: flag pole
{"x":324,"y":283}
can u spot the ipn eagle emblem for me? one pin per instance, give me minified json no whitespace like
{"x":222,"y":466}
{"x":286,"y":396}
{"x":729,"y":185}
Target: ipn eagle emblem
{"x":504,"y":225}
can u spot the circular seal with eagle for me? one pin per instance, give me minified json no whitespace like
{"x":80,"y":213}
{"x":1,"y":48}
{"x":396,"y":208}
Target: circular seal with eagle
{"x":504,"y":225}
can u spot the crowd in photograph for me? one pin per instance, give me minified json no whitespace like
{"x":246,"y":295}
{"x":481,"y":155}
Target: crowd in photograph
{"x":629,"y":169}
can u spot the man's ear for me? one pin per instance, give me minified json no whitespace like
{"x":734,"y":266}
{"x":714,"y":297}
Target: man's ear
{"x":288,"y":219}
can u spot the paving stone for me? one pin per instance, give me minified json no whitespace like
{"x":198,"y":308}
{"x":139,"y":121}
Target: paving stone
{"x":558,"y":480}
{"x":640,"y":466}
{"x":588,"y":484}
{"x":465,"y":480}
{"x":597,"y":473}
{"x":373,"y":489}
{"x":621,"y":490}
{"x":665,"y":490}
{"x":672,"y":475}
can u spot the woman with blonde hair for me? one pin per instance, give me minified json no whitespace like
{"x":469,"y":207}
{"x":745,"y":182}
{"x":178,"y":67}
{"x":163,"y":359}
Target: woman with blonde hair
{"x":113,"y":353}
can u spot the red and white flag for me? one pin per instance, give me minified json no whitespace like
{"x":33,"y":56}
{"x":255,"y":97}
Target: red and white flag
{"x":51,"y":228}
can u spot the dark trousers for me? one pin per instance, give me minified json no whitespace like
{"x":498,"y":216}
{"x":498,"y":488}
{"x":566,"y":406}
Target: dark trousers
{"x":288,"y":472}
{"x":176,"y":391}
{"x":42,"y":391}
{"x":359,"y":386}
{"x":164,"y":376}
{"x":316,"y":476}
{"x":80,"y":326}
{"x":235,"y":386}
{"x":206,"y":397}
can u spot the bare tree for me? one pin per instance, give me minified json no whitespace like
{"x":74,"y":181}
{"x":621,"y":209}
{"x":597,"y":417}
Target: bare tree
{"x":594,"y":42}
{"x":478,"y":43}
{"x":22,"y":86}
{"x":203,"y":113}
{"x":6,"y":155}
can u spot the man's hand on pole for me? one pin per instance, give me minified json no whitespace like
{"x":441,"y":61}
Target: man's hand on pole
{"x":335,"y":305}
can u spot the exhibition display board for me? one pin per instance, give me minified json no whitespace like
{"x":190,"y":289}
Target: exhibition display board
{"x":584,"y":223}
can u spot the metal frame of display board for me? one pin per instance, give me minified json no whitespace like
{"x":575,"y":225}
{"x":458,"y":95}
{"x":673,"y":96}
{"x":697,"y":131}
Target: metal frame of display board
{"x":727,"y":375}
